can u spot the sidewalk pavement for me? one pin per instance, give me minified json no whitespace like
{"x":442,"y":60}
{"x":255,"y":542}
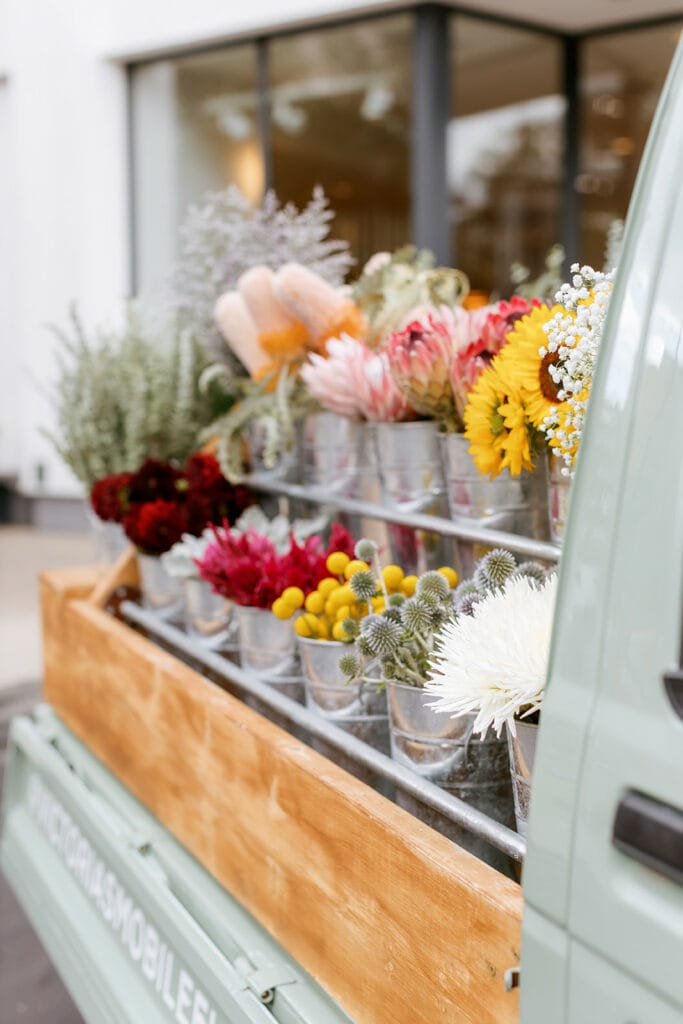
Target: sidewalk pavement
{"x":24,"y":553}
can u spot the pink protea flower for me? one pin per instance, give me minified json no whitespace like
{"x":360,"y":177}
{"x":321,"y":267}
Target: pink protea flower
{"x":354,"y":381}
{"x":419,"y":359}
{"x":488,"y":336}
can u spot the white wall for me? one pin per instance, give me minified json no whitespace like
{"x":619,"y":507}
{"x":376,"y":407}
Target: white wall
{"x":63,"y":179}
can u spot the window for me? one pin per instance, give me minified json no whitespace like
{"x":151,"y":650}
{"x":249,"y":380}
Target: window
{"x":622,"y":75}
{"x":195,"y":128}
{"x":504,"y":149}
{"x":340,"y":117}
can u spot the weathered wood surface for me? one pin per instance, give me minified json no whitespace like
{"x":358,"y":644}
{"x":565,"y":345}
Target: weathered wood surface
{"x":399,"y":925}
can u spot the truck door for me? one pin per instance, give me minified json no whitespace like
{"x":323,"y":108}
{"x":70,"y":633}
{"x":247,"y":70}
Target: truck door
{"x":603,"y":931}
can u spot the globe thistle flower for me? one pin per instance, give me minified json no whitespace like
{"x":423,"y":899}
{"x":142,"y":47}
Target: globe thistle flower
{"x":416,"y":616}
{"x":463,"y":589}
{"x":382,"y":635}
{"x":393,"y":614}
{"x":432,"y":586}
{"x":363,"y":647}
{"x":493,"y":663}
{"x":467,"y":603}
{"x":364,"y":585}
{"x":350,"y":627}
{"x":365,"y":550}
{"x":350,"y":665}
{"x":495,"y":569}
{"x":396,"y":600}
{"x":534,"y":570}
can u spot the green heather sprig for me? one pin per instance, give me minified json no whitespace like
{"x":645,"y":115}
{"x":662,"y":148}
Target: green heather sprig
{"x":121,"y":397}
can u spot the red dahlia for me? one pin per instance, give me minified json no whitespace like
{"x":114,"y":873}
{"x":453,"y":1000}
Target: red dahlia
{"x":109,"y":496}
{"x":155,"y":526}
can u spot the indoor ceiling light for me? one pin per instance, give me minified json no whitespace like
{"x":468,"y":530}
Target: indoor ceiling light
{"x":378,"y":101}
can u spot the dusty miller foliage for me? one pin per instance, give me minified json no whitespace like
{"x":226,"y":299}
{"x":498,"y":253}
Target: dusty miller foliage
{"x":121,"y":397}
{"x":548,"y":281}
{"x":224,"y":236}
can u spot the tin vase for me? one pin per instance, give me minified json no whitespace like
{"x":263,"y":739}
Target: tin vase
{"x":267,"y":648}
{"x":286,"y":463}
{"x":161,"y":592}
{"x":329,"y":451}
{"x":522,"y":751}
{"x":558,"y":498}
{"x":512,"y":504}
{"x":447,"y":752}
{"x":110,"y":538}
{"x":359,"y":708}
{"x":411,"y":478}
{"x":209,"y":617}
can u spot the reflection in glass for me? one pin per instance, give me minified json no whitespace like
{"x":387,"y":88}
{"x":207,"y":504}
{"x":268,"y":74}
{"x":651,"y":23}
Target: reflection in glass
{"x":622,"y":75}
{"x":195,"y":129}
{"x":340,"y":117}
{"x":504,"y":149}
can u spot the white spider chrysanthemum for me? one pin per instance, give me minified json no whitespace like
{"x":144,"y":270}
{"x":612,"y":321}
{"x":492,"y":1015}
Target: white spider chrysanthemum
{"x":494,"y":662}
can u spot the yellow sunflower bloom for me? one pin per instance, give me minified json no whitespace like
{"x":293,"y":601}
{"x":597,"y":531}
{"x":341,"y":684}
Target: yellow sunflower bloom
{"x":517,"y":441}
{"x":521,"y":366}
{"x":484,"y":424}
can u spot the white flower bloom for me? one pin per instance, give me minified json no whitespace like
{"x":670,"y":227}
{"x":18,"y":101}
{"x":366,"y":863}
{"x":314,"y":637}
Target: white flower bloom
{"x":279,"y":528}
{"x":494,"y":662}
{"x":179,"y":561}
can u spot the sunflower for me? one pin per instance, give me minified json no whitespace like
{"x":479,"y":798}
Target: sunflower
{"x":484,"y":424}
{"x":518,"y":441}
{"x":522,"y":367}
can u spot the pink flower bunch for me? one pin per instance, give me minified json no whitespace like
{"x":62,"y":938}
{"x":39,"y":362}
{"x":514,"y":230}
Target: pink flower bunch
{"x":354,"y":381}
{"x":248,"y":569}
{"x":488,"y":337}
{"x":419,"y":358}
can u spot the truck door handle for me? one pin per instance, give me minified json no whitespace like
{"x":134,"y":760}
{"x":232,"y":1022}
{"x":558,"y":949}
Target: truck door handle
{"x":673,"y":684}
{"x":650,"y":832}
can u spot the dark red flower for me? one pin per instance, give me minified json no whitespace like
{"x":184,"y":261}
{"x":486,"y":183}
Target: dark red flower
{"x":109,"y":496}
{"x":210,"y":498}
{"x":248,"y":570}
{"x":154,"y":480}
{"x":155,"y":526}
{"x":202,"y":472}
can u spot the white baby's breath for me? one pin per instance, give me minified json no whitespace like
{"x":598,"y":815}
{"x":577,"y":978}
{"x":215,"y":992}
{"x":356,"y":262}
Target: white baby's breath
{"x":493,"y":663}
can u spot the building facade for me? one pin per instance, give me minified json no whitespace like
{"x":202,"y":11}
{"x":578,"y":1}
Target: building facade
{"x":487,"y":134}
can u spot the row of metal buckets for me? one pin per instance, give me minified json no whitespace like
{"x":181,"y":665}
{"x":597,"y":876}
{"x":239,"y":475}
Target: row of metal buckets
{"x":413,"y":467}
{"x":490,"y":774}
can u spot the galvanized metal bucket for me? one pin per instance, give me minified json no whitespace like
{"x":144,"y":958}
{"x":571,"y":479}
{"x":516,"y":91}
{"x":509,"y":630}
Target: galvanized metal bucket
{"x":411,"y":477}
{"x":358,"y":708}
{"x":329,"y":451}
{"x":286,"y":464}
{"x":268,"y":649}
{"x":161,"y":593}
{"x":514,"y":504}
{"x":446,"y":751}
{"x":110,"y":538}
{"x":522,"y":751}
{"x":558,"y":498}
{"x":209,"y":617}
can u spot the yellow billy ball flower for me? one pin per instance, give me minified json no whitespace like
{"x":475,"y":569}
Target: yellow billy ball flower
{"x":315,"y":603}
{"x":450,"y":575}
{"x":336,"y":563}
{"x":323,"y":629}
{"x":282,"y":609}
{"x":392,"y":576}
{"x":378,"y":604}
{"x":294,"y":596}
{"x":302,"y":628}
{"x":326,"y":586}
{"x":343,"y":613}
{"x":357,"y":565}
{"x":408,"y":584}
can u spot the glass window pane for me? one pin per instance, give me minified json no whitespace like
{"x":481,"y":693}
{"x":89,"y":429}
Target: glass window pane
{"x":340,"y":117}
{"x":504,"y":149}
{"x":195,"y":128}
{"x":622,"y":75}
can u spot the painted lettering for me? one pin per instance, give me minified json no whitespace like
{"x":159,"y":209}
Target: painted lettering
{"x":199,"y":1007}
{"x":151,"y":953}
{"x":135,"y":936}
{"x":184,"y":996}
{"x":168,"y":977}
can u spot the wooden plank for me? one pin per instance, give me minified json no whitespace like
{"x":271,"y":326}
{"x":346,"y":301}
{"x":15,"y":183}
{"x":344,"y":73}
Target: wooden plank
{"x":122,"y":573}
{"x":399,"y":925}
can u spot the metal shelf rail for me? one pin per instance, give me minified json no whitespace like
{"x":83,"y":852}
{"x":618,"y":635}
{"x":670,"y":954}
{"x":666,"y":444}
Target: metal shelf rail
{"x":365,"y":756}
{"x":460,"y":529}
